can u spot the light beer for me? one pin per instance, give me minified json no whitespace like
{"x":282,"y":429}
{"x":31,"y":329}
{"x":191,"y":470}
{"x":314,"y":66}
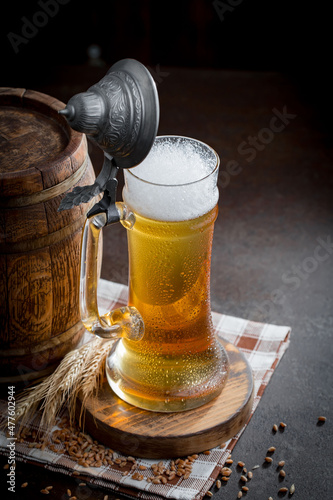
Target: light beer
{"x":179,"y":363}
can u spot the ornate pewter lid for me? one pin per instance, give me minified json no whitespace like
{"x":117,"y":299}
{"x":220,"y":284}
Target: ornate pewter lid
{"x":120,"y":114}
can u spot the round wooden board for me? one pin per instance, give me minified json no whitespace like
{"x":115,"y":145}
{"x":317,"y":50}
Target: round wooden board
{"x":142,"y":433}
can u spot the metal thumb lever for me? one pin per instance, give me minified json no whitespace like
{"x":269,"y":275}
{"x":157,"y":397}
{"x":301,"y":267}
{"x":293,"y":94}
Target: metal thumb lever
{"x":107,"y":204}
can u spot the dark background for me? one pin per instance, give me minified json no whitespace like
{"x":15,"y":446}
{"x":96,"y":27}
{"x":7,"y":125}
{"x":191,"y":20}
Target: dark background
{"x":292,"y":37}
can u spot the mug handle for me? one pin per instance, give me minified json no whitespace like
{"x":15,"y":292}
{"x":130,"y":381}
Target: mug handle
{"x":122,"y":322}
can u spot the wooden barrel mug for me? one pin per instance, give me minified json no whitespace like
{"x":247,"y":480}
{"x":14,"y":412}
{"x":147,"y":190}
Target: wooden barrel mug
{"x":41,"y":159}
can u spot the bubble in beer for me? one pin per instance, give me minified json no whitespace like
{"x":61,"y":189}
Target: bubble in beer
{"x":176,"y":181}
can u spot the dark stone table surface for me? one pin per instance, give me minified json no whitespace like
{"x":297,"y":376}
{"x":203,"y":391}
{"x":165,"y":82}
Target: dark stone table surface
{"x":272,"y":255}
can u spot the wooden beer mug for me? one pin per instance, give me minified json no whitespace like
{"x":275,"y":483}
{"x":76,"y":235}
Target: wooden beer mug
{"x":167,"y":357}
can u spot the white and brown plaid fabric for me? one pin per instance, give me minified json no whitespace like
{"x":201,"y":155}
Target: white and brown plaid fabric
{"x":262,"y":344}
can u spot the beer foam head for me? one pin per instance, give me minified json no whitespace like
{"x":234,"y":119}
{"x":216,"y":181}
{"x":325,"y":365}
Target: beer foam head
{"x":176,"y":181}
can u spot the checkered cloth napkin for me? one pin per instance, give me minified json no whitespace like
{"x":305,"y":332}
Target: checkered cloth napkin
{"x":262,"y":344}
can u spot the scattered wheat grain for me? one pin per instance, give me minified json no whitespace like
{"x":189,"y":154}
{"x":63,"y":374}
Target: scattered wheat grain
{"x":226,"y":471}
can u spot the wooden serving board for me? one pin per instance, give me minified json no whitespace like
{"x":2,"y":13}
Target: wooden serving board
{"x":142,"y":433}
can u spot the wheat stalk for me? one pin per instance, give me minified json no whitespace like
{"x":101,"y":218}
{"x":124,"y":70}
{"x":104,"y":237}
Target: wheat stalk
{"x":94,"y":373}
{"x":82,"y":368}
{"x":28,"y":401}
{"x":62,"y":384}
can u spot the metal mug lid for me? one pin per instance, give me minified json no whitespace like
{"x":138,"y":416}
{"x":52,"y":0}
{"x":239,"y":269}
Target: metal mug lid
{"x":120,"y":114}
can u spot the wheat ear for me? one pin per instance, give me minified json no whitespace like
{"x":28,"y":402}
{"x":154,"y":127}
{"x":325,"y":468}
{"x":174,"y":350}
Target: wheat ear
{"x":63,"y":385}
{"x":94,"y":374}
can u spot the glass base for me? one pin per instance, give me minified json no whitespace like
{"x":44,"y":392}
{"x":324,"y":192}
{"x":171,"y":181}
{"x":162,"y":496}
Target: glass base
{"x":171,"y":386}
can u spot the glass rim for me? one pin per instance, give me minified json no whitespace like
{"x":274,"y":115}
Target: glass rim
{"x":217,"y":164}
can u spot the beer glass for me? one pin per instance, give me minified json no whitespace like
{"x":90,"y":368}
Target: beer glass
{"x":169,"y":209}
